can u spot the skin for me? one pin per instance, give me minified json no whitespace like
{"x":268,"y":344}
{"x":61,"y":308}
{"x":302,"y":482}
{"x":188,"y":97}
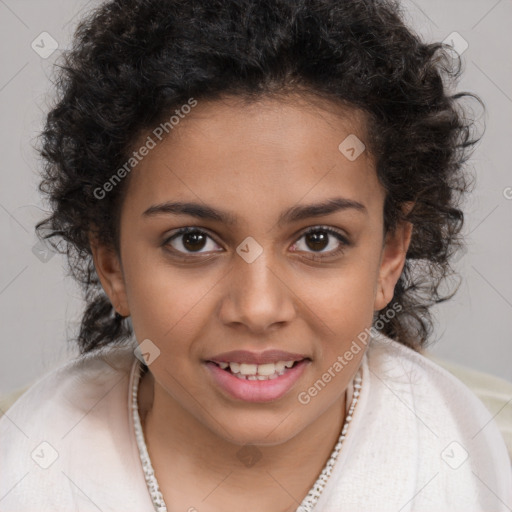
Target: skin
{"x":254,"y":161}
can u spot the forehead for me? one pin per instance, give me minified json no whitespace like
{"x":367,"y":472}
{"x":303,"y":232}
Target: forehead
{"x":257,"y":156}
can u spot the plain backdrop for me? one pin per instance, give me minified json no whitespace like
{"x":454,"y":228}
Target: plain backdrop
{"x":40,"y":307}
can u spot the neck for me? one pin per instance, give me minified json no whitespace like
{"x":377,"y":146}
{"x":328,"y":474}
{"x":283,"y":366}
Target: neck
{"x":172,"y":434}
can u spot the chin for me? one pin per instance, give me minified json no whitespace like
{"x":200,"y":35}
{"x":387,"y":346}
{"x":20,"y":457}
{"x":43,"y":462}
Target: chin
{"x":261,"y":433}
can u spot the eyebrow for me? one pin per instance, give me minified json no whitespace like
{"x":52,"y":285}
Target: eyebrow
{"x":293,"y":214}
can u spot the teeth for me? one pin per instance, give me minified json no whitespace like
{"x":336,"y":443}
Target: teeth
{"x":267,"y":371}
{"x":280,"y":366}
{"x":234,"y":367}
{"x":248,"y":369}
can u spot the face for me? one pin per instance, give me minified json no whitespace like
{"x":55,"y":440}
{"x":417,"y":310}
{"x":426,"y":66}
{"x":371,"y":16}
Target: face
{"x":285,"y":251}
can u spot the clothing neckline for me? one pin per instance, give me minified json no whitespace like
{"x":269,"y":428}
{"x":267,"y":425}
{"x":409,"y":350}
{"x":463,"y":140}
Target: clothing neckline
{"x":139,"y":369}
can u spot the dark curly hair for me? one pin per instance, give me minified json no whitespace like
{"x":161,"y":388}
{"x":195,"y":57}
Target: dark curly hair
{"x":133,"y":62}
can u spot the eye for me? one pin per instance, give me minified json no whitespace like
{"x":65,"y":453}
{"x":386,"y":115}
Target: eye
{"x":319,"y":238}
{"x":190,"y":240}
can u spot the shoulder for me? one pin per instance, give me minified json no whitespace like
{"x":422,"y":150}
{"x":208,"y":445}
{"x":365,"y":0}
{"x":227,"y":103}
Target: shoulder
{"x":431,"y":392}
{"x":437,"y":419}
{"x":74,"y":385}
{"x":432,"y":386}
{"x":71,"y":428}
{"x":419,"y":440}
{"x":494,"y":392}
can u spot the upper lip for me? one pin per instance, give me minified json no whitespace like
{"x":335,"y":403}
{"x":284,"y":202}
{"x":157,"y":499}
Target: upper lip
{"x":245,"y":356}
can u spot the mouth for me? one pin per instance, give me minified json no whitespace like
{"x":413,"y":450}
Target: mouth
{"x":260,"y":372}
{"x":257,"y":381}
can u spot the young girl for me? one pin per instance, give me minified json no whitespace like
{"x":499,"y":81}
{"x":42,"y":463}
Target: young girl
{"x":260,"y":199}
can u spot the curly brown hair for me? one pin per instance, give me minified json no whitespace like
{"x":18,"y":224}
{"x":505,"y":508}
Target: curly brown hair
{"x":135,"y":61}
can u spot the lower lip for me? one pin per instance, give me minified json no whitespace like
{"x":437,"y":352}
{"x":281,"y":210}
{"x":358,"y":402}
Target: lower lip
{"x":257,"y":390}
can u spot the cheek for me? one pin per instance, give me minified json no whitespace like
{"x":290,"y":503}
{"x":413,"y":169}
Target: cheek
{"x":342,"y":296}
{"x":165,"y":302}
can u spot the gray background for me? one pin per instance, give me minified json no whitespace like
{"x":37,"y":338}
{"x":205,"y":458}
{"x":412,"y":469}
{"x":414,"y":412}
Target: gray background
{"x":40,"y":306}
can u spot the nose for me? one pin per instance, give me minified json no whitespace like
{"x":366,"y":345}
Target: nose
{"x":258,"y":296}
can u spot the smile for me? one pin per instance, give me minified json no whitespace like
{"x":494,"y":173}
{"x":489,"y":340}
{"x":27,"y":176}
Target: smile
{"x":256,"y":382}
{"x":248,"y":371}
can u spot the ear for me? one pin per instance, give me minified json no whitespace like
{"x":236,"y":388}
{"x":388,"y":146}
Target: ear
{"x":392,"y":262}
{"x":109,"y":270}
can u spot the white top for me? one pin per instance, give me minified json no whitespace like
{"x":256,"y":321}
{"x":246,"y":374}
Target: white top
{"x":419,"y":440}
